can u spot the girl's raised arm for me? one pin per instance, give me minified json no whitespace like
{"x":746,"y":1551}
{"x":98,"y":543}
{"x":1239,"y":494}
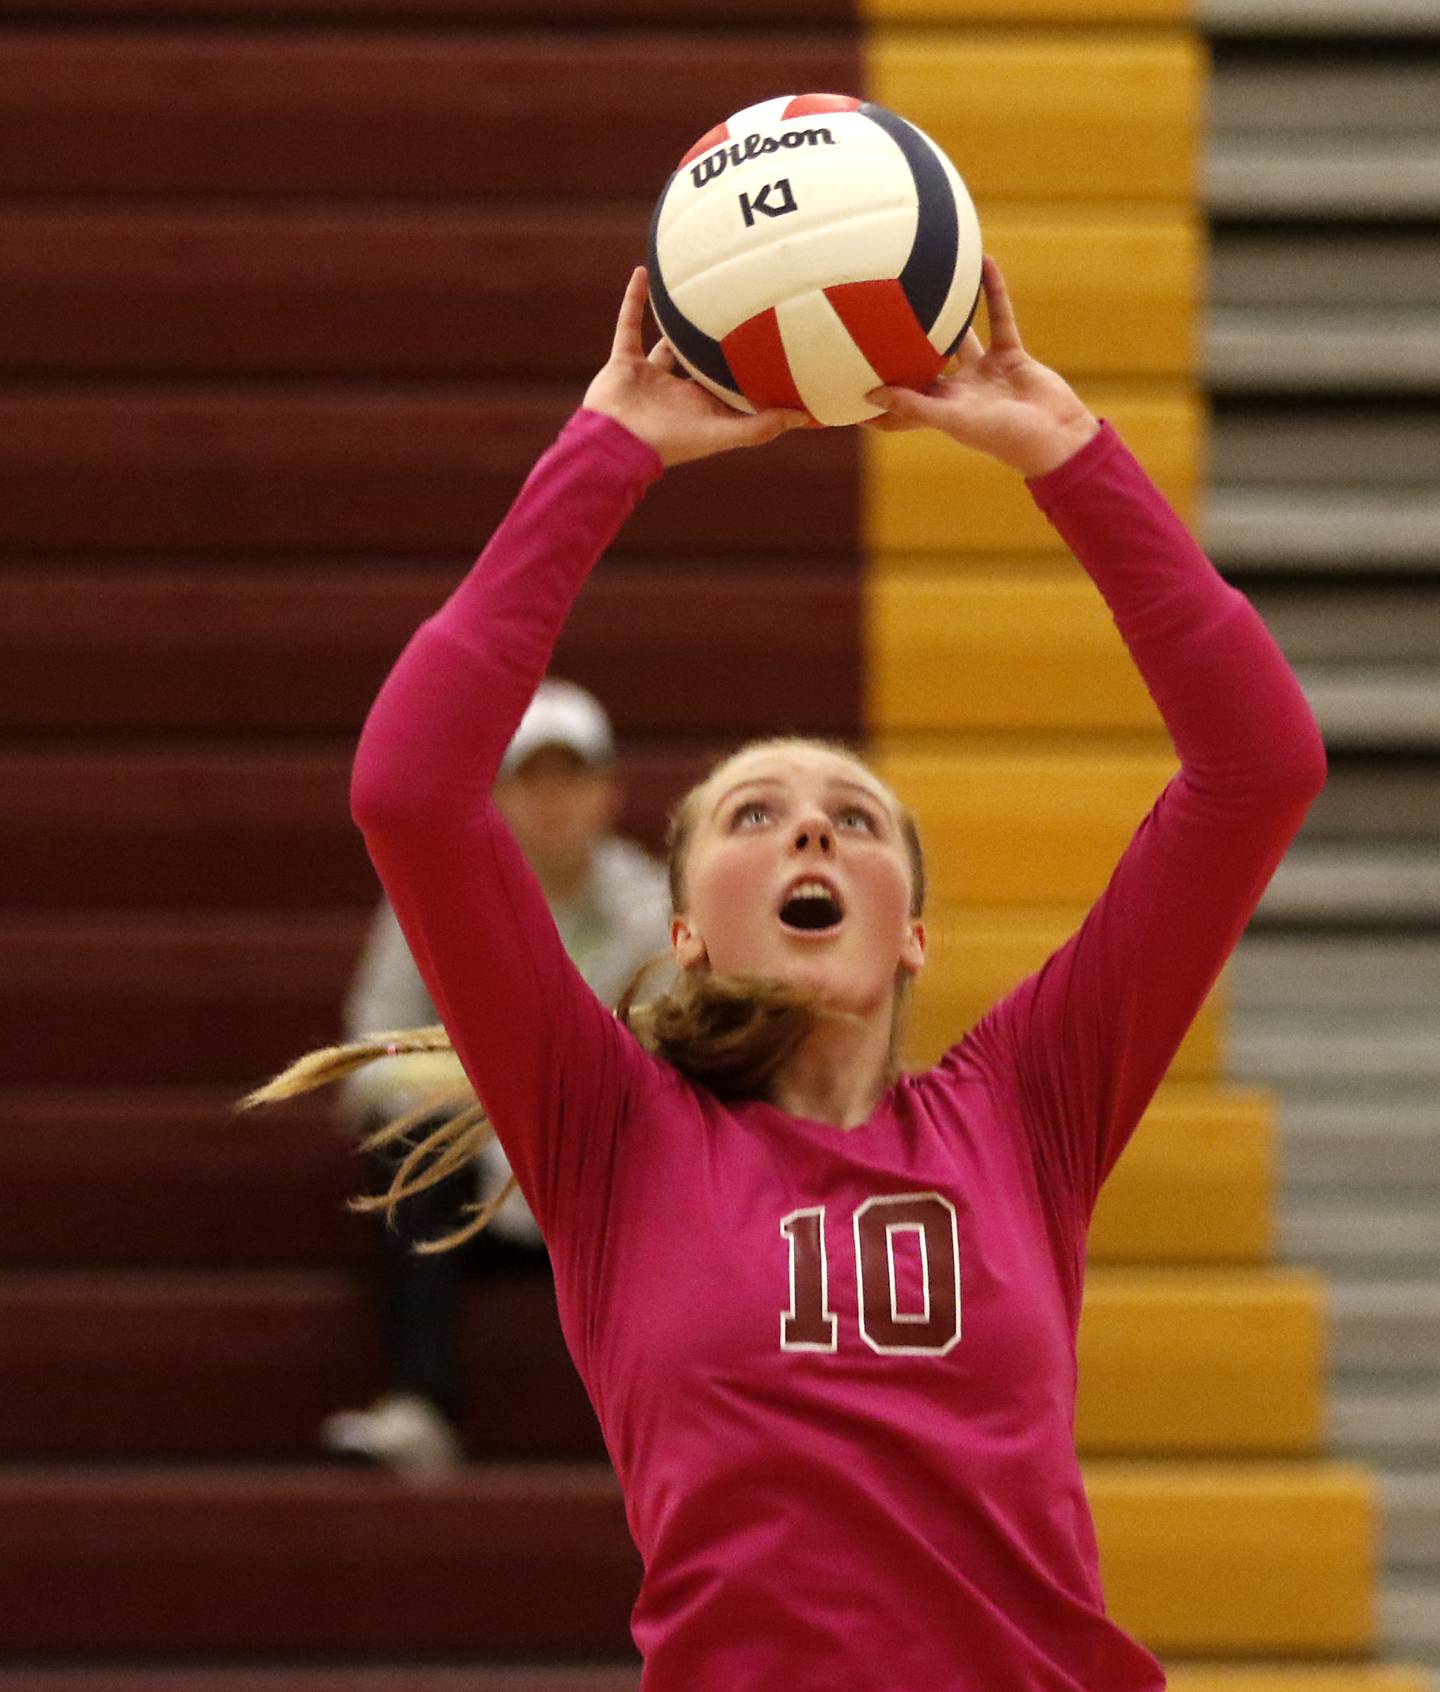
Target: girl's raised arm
{"x":1088,"y":1038}
{"x":545,"y":1057}
{"x":1095,"y":1031}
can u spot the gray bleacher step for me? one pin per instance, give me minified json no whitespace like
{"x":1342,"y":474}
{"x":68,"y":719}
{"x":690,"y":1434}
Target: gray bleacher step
{"x":1354,"y":881}
{"x":1386,"y":1329}
{"x":1359,"y":1028}
{"x":1410,"y":1619}
{"x":1368,"y":800}
{"x":1320,"y":17}
{"x":1357,"y":92}
{"x":1323,"y":353}
{"x":1355,"y":624}
{"x":1324,"y":268}
{"x":1375,"y":706}
{"x":1368,"y":657}
{"x":1315,"y":530}
{"x":1340,"y":1050}
{"x":1360,"y":1147}
{"x":1336,"y":176}
{"x":1248,"y":350}
{"x":1395,"y":1425}
{"x":1412,"y":1519}
{"x":1345,"y":1234}
{"x":1349,"y":134}
{"x":1322,"y":447}
{"x":1320,"y":487}
{"x":1321,"y":972}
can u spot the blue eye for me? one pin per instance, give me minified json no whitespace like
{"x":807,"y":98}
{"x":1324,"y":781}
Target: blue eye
{"x":751,"y":808}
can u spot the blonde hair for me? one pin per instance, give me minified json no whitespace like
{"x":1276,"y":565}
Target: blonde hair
{"x":729,"y":1033}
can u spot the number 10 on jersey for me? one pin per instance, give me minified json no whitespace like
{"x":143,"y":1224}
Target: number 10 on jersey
{"x":810,"y":1324}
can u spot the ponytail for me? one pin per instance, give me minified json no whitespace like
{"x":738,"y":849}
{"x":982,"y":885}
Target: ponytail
{"x":727,"y":1033}
{"x":462,"y":1131}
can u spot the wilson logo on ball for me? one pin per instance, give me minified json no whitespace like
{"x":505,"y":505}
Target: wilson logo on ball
{"x":859,"y":267}
{"x":753,"y":147}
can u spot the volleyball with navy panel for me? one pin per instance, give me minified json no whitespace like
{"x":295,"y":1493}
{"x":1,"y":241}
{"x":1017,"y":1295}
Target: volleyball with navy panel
{"x":811,"y":248}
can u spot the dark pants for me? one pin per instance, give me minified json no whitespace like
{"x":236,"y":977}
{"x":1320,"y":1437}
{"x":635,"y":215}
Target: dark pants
{"x":422,"y":1296}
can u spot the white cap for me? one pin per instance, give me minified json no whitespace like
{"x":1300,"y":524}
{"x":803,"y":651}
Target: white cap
{"x":561,"y":714}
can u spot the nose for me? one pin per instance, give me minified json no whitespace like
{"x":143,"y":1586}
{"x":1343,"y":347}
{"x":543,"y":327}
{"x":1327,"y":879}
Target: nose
{"x":814,"y":836}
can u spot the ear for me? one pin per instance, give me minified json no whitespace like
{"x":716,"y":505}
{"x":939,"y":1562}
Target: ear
{"x":912,"y":949}
{"x":686,"y":943}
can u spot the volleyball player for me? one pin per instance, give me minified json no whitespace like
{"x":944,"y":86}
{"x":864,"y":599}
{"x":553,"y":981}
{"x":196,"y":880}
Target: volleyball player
{"x":825,"y":1311}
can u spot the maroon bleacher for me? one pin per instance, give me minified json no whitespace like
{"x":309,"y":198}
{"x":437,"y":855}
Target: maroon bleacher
{"x":292,"y":292}
{"x":290,"y":298}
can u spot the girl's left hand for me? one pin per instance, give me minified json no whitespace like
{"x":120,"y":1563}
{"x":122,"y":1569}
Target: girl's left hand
{"x":679,"y":418}
{"x":998,"y":400}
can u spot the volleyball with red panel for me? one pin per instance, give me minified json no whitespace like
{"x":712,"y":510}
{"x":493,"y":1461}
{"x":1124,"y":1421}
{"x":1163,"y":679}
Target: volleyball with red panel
{"x":810,"y":248}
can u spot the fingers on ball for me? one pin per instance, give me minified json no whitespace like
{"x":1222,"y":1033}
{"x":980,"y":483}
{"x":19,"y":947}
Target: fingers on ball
{"x":631,"y":315}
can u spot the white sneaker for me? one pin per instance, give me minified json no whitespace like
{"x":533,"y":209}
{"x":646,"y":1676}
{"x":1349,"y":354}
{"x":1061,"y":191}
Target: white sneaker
{"x":399,"y":1431}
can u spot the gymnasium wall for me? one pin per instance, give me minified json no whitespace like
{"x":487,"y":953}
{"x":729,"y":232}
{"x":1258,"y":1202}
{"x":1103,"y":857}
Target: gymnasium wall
{"x":293,"y":292}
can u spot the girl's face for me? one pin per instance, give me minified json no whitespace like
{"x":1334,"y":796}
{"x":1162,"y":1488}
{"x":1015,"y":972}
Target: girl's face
{"x":797,"y":870}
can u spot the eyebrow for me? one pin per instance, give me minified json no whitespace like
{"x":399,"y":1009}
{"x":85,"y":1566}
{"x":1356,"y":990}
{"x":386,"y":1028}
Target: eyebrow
{"x":776,"y":781}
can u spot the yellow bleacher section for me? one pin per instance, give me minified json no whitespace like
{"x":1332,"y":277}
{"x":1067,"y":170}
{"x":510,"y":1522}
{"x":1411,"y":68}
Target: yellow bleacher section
{"x":1003,"y":708}
{"x":1187,"y":1361}
{"x":975,"y":957}
{"x":1025,"y":827}
{"x":1145,"y":266}
{"x":1196,"y":1183}
{"x":1046,"y":115}
{"x":998,"y":646}
{"x":877,"y":13}
{"x":1216,"y":1559}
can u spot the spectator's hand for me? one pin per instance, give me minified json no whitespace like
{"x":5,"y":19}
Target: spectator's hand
{"x":681,"y":419}
{"x":1001,"y":401}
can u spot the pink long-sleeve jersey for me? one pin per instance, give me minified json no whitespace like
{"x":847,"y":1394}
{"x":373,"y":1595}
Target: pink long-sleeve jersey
{"x":835,"y":1370}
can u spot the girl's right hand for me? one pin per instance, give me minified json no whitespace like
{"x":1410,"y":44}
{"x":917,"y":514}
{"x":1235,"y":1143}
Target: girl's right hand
{"x":680,"y":419}
{"x":998,"y":400}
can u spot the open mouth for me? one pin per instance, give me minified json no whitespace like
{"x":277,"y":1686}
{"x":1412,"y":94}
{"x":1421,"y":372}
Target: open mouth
{"x":811,"y":907}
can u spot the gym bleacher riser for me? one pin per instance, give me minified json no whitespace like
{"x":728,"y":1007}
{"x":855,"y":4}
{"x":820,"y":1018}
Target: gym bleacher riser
{"x":1324,"y":373}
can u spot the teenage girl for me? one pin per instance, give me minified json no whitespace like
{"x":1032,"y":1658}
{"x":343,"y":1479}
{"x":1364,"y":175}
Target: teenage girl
{"x":826,"y":1311}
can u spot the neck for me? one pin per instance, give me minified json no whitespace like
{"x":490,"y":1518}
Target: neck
{"x":840,"y":1073}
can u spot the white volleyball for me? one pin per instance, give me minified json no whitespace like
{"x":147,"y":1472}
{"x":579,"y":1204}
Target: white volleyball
{"x":810,"y":248}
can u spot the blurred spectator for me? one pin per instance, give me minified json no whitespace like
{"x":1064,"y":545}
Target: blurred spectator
{"x":560,"y":795}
